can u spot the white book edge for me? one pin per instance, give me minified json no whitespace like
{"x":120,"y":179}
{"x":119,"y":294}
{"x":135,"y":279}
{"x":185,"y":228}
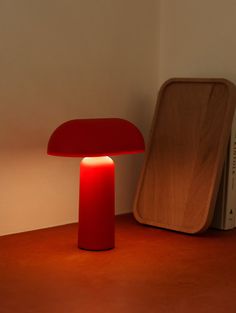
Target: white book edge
{"x":231,"y":182}
{"x":225,"y":208}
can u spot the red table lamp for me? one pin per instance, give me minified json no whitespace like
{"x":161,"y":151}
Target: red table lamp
{"x":94,"y":139}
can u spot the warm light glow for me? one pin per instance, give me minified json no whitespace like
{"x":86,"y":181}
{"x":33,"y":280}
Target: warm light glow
{"x":97,"y":160}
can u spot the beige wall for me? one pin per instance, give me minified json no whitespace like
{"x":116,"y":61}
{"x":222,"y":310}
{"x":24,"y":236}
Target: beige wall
{"x":198,"y":39}
{"x":62,"y":60}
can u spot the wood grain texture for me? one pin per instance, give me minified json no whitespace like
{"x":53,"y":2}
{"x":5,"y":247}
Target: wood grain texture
{"x":185,"y":155}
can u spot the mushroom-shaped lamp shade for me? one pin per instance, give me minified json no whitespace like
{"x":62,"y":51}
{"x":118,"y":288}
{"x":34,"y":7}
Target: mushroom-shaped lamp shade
{"x":94,"y":140}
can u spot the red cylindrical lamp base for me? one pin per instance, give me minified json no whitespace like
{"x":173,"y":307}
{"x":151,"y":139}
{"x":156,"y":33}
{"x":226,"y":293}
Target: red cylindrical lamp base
{"x":96,"y":204}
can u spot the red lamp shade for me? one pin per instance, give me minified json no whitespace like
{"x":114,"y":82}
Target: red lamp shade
{"x":94,"y":139}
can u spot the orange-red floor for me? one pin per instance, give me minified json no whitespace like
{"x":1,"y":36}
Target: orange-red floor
{"x":150,"y":270}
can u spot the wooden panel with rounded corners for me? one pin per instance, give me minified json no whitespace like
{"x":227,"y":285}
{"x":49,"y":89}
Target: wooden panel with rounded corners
{"x":185,"y":155}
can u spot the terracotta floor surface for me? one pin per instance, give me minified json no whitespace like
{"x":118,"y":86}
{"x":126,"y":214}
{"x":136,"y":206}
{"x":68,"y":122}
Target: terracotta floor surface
{"x":150,"y":270}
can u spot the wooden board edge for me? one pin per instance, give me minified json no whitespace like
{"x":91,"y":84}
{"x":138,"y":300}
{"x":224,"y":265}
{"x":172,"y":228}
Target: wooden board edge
{"x":208,"y":218}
